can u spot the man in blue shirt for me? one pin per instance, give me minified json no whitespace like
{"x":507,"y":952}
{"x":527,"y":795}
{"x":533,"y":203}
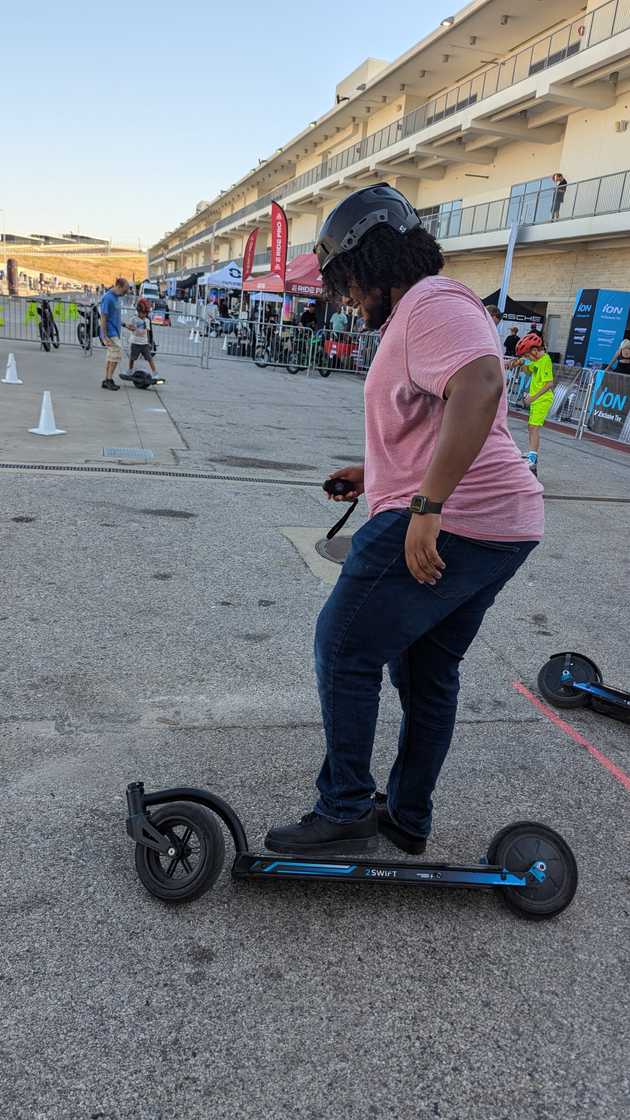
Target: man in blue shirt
{"x":110,"y":329}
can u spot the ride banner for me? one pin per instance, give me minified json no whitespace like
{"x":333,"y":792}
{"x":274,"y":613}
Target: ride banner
{"x":279,"y":242}
{"x":610,"y":403}
{"x":248,"y":255}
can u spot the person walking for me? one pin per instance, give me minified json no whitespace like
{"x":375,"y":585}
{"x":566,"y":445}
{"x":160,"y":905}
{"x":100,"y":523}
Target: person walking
{"x":453,"y":513}
{"x":558,"y":195}
{"x":110,"y":330}
{"x":511,"y":343}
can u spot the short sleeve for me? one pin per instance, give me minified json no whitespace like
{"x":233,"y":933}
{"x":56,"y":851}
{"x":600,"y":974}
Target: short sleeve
{"x":446,"y":329}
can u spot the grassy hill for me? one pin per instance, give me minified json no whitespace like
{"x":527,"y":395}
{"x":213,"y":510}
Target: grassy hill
{"x":85,"y":268}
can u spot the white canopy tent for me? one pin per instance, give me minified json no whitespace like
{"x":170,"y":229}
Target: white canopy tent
{"x":229,"y":276}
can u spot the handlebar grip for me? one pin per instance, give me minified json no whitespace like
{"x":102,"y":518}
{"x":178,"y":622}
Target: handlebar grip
{"x":338,"y":486}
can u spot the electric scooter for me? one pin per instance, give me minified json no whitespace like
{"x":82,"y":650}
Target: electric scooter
{"x":571,"y":680}
{"x":180,"y":848}
{"x":180,"y":852}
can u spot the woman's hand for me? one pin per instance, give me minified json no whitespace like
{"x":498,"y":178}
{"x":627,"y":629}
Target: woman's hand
{"x":423,"y":559}
{"x":349,"y":474}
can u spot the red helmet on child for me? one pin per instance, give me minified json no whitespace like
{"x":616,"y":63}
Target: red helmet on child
{"x":531,"y":341}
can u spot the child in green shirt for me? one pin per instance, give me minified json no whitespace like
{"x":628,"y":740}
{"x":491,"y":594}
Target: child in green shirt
{"x":531,"y":354}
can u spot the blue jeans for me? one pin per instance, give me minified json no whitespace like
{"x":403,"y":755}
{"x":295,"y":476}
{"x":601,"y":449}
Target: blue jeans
{"x":377,"y":615}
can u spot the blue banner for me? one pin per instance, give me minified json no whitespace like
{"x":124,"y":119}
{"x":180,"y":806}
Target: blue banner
{"x":610,"y":319}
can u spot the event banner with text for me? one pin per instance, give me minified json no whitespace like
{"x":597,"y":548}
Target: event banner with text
{"x":610,"y":404}
{"x":600,"y":319}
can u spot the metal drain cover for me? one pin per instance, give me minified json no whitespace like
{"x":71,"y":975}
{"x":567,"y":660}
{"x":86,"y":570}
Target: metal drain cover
{"x":335,"y":550}
{"x":139,"y":454}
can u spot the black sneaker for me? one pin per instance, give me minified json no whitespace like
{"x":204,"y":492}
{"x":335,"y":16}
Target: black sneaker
{"x":406,"y":841}
{"x":314,"y":835}
{"x":128,"y":376}
{"x":111,"y":385}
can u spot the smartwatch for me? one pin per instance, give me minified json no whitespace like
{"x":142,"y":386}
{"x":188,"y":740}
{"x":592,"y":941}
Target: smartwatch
{"x":421,"y":504}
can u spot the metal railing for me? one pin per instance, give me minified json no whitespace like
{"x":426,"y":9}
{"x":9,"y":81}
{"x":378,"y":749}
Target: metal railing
{"x":266,"y":344}
{"x":606,"y":194}
{"x":586,"y":198}
{"x":587,"y":30}
{"x":20,"y":319}
{"x":571,"y":394}
{"x":345,"y":351}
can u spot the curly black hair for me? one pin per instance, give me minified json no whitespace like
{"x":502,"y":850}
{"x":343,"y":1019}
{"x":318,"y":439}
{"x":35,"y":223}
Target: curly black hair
{"x":384,"y":259}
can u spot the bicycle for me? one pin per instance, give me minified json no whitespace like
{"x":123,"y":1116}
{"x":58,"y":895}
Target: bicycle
{"x":276,"y":348}
{"x":89,"y":328}
{"x":48,"y":330}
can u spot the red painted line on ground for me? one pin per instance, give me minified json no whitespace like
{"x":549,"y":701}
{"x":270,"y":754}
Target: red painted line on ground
{"x":612,"y":768}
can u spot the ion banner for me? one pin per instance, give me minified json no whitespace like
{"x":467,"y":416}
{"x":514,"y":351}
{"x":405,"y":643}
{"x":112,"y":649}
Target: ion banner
{"x":610,"y":403}
{"x":599,"y":320}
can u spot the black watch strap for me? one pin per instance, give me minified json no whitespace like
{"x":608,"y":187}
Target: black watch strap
{"x":421,"y":504}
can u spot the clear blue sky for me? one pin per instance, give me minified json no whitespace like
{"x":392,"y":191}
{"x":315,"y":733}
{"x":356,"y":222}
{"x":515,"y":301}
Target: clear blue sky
{"x":119,"y":117}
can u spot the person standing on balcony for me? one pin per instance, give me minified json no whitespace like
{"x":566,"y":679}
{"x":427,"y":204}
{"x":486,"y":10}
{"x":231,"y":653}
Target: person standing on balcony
{"x":454,"y":512}
{"x":558,"y":195}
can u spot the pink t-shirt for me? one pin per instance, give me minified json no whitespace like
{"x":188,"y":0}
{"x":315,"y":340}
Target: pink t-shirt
{"x":438,"y":327}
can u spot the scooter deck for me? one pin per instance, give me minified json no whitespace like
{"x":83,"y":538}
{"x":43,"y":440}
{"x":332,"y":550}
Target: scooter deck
{"x":250,"y":865}
{"x":613,"y":702}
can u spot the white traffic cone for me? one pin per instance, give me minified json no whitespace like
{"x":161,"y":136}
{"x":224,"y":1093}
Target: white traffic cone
{"x":11,"y":377}
{"x":47,"y":425}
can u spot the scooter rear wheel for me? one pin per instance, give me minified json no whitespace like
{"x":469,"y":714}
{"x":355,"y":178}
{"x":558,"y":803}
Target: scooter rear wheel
{"x":565,"y":695}
{"x":196,"y":857}
{"x":516,"y":848}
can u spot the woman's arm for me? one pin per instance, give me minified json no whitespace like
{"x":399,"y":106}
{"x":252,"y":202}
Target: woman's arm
{"x":613,"y":360}
{"x":472,"y":398}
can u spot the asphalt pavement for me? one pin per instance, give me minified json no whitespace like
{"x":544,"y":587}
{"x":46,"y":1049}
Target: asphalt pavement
{"x":159,"y":627}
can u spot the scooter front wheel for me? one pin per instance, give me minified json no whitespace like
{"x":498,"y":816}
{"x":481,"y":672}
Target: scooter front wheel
{"x":194,"y":860}
{"x":561,"y":694}
{"x":522,"y":845}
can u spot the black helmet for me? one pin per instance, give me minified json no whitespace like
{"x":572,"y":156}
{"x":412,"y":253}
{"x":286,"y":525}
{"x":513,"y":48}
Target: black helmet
{"x":354,"y":216}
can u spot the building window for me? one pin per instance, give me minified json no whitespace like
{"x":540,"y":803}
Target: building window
{"x":443,"y":220}
{"x":531,"y":202}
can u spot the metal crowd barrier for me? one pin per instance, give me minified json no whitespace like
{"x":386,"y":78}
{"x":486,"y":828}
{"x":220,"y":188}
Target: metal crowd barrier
{"x":266,"y":344}
{"x":573,"y":387}
{"x":348,"y":351}
{"x":20,"y":320}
